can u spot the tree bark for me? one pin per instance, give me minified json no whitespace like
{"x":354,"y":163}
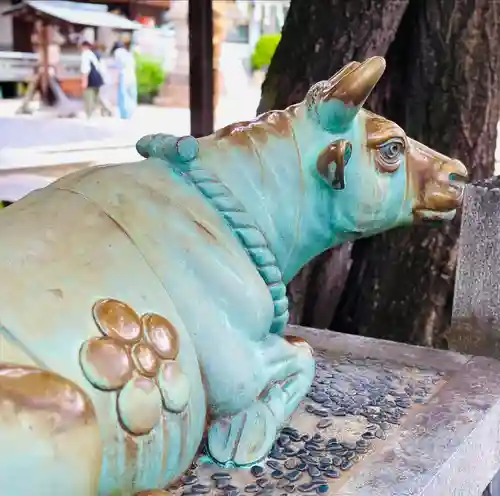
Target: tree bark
{"x":318,"y":38}
{"x":442,"y":87}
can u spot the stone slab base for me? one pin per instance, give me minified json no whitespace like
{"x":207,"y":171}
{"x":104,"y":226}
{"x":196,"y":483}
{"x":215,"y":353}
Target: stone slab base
{"x":381,"y":419}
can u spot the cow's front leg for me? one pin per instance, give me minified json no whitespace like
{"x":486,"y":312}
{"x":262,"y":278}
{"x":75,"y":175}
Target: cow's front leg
{"x":286,"y":370}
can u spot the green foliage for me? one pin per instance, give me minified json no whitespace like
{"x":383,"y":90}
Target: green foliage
{"x":150,"y":77}
{"x":264,"y":51}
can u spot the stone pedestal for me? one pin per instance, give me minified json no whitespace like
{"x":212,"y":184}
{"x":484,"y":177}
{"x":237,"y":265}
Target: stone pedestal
{"x":476,"y":307}
{"x":387,"y":419}
{"x":475,"y":325}
{"x":175,"y":92}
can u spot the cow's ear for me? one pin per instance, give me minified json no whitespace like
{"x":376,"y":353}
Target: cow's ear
{"x":332,"y":161}
{"x":342,"y":96}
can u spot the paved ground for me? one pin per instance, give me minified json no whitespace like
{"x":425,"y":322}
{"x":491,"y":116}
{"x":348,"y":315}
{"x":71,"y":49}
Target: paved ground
{"x":36,"y":149}
{"x":16,"y":132}
{"x":42,"y":129}
{"x":239,"y":102}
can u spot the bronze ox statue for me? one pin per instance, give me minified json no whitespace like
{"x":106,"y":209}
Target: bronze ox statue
{"x":143,"y":305}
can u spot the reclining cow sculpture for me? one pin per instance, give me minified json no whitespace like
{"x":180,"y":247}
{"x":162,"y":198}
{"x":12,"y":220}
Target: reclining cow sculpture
{"x":143,"y":305}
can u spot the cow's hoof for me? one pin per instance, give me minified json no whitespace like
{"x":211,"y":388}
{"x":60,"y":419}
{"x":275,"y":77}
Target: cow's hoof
{"x":247,"y":437}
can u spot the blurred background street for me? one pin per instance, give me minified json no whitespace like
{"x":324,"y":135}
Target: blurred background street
{"x":40,"y":139}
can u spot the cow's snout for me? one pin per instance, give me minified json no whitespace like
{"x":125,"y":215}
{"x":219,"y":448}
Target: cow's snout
{"x":439,"y":182}
{"x":447,"y":191}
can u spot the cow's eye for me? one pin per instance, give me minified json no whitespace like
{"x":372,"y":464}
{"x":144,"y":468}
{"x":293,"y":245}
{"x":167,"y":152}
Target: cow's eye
{"x":390,"y":154}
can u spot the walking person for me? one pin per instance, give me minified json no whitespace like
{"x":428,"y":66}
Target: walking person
{"x":127,"y":80}
{"x":102,"y":102}
{"x":92,"y":79}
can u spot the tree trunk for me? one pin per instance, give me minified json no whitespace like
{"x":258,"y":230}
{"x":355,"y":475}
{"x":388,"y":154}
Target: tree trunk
{"x":442,"y":87}
{"x":319,"y":37}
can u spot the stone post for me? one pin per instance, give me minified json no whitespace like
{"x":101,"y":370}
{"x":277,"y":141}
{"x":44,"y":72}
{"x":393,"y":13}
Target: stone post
{"x":175,"y":92}
{"x":475,"y":327}
{"x":476,"y":307}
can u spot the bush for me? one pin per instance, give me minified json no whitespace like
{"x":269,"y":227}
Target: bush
{"x":150,"y":77}
{"x":264,"y":51}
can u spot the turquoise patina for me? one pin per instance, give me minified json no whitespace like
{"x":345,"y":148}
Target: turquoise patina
{"x":182,"y":154}
{"x":146,"y":301}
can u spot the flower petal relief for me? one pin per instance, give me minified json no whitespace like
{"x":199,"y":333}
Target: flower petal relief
{"x":135,"y":357}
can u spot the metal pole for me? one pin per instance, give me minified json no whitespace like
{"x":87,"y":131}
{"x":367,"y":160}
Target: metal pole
{"x":44,"y":52}
{"x":201,"y":67}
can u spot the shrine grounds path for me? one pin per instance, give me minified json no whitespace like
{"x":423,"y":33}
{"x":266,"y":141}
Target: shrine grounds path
{"x":23,"y":134}
{"x":44,"y":129}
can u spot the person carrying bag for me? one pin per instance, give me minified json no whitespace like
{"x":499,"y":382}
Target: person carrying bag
{"x":92,"y":78}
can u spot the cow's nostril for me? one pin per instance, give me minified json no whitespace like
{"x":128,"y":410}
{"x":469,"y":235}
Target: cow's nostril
{"x":457,"y":172}
{"x":457,"y":182}
{"x":457,"y":178}
{"x":454,"y":175}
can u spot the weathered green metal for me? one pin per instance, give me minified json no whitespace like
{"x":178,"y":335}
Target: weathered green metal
{"x":146,"y":301}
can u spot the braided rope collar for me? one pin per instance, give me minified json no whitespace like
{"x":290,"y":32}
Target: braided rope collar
{"x":181,"y":154}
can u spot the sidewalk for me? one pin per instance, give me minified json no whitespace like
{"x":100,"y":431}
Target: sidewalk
{"x":42,"y":128}
{"x":39,"y":148}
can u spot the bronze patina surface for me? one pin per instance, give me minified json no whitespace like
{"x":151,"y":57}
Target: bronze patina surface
{"x":154,"y":293}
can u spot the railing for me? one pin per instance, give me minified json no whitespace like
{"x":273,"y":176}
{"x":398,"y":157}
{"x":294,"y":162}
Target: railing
{"x":18,"y":67}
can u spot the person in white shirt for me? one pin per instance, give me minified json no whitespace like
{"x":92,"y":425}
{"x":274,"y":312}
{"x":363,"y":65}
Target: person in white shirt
{"x":127,"y":80}
{"x":92,"y":78}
